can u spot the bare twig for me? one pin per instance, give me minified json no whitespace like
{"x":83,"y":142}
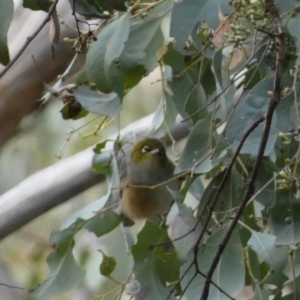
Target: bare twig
{"x":30,"y":39}
{"x":77,"y":26}
{"x":11,"y":286}
{"x":276,"y":96}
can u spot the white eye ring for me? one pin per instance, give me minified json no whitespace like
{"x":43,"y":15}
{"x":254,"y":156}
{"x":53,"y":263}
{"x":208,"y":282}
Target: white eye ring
{"x":145,"y":149}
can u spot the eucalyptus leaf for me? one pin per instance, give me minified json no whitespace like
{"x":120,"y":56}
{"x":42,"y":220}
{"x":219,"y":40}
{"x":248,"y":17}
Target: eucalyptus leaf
{"x":38,"y":4}
{"x":103,"y":222}
{"x":196,"y":153}
{"x":100,"y":104}
{"x":218,"y":69}
{"x":229,"y":274}
{"x":108,"y":264}
{"x":260,"y":293}
{"x":148,"y":263}
{"x":105,"y":52}
{"x":164,"y":117}
{"x":264,"y":245}
{"x":196,"y":100}
{"x":253,"y":107}
{"x":183,"y":228}
{"x":186,"y":14}
{"x":64,"y":274}
{"x":89,"y":9}
{"x":285,"y":217}
{"x":228,"y":199}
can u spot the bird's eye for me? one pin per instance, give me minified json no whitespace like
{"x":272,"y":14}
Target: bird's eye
{"x":145,"y":149}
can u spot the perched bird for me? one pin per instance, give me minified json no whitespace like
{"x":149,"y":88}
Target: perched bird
{"x":144,"y":165}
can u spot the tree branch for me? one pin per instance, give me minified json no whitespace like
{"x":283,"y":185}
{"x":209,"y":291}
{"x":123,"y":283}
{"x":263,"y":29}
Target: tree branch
{"x":276,"y":96}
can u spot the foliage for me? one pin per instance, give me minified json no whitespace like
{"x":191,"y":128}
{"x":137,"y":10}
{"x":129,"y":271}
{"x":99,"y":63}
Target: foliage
{"x":221,"y":75}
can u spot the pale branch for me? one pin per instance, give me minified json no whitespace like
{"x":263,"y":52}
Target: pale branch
{"x":30,"y":38}
{"x":56,"y":184}
{"x":275,"y":99}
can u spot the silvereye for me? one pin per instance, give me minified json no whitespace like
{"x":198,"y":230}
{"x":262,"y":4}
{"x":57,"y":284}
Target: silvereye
{"x":146,"y":164}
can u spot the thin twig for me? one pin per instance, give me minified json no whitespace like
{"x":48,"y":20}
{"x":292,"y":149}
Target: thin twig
{"x":276,"y":96}
{"x":30,"y":39}
{"x":11,"y":286}
{"x":219,"y":190}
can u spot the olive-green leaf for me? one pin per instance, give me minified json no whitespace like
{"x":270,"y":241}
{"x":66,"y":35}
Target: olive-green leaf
{"x":107,"y":265}
{"x":105,"y":51}
{"x":65,"y":273}
{"x":104,"y":222}
{"x":148,"y":264}
{"x":38,"y":4}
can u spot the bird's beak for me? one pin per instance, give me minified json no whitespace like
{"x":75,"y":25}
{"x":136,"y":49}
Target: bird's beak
{"x":154,"y":151}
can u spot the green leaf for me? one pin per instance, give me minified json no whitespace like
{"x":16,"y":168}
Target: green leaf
{"x":6,"y":15}
{"x":197,"y":154}
{"x":104,"y":52}
{"x":182,"y":228}
{"x":164,"y":117}
{"x":229,"y":274}
{"x":90,"y":9}
{"x":285,"y":5}
{"x":119,"y":5}
{"x":99,"y":147}
{"x":260,"y":293}
{"x":108,"y":264}
{"x":293,"y":267}
{"x":104,"y":222}
{"x":264,"y":245}
{"x":253,"y":76}
{"x":99,"y":104}
{"x":253,"y":266}
{"x":195,"y":100}
{"x":293,"y":28}
{"x":252,"y":108}
{"x":228,"y":199}
{"x":65,"y":274}
{"x":292,"y":296}
{"x":285,"y":217}
{"x":149,"y":263}
{"x":73,"y":110}
{"x":139,"y":56}
{"x":219,"y":70}
{"x":107,"y":202}
{"x":167,"y":266}
{"x":142,"y":51}
{"x":186,"y":15}
{"x":181,"y":84}
{"x":190,"y":88}
{"x":38,"y":4}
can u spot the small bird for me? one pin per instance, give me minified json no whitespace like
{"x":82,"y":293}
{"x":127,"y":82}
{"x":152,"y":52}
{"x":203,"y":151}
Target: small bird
{"x":143,"y":166}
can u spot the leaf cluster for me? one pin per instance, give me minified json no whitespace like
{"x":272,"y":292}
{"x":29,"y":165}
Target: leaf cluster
{"x":219,"y":67}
